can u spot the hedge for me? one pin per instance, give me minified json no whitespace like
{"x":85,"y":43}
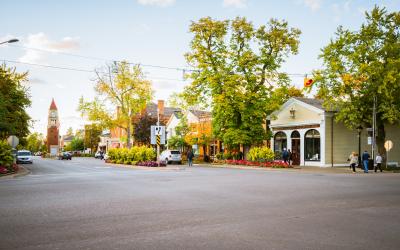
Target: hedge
{"x":131,"y":156}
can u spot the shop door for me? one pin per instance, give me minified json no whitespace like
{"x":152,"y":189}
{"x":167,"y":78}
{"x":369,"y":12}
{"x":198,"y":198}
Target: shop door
{"x":295,"y":151}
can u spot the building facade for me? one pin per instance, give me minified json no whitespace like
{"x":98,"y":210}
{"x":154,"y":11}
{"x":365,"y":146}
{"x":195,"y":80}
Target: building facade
{"x":53,"y":128}
{"x":305,"y":127}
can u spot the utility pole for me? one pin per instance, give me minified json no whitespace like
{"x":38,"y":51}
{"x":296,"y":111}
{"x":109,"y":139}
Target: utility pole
{"x":158,"y":145}
{"x":373,"y":130}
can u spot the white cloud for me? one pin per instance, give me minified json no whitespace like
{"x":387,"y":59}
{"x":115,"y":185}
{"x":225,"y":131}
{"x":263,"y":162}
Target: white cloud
{"x":235,"y":3}
{"x":40,"y":41}
{"x":161,"y":3}
{"x":313,"y":4}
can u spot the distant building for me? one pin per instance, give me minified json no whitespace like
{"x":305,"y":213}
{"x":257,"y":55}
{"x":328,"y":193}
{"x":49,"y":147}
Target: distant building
{"x":53,"y":130}
{"x":66,"y":140}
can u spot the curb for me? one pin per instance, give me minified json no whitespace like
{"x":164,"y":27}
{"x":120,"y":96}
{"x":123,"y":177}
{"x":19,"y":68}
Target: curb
{"x":22,"y":171}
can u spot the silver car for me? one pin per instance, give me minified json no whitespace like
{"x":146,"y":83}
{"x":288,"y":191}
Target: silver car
{"x":171,"y":156}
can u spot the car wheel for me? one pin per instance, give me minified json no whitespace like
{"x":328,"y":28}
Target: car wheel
{"x":180,"y":162}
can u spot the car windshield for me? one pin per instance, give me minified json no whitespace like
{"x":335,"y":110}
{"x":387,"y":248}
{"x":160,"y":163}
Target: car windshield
{"x":24,"y":153}
{"x":175,"y":152}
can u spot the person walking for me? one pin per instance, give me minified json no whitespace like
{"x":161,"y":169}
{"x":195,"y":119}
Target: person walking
{"x":190,"y":156}
{"x":285,"y":155}
{"x":378,"y":161}
{"x":353,"y":158}
{"x":365,"y":159}
{"x":289,"y":157}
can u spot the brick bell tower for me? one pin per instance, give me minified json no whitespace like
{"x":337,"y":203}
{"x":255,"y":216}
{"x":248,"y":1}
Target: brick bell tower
{"x":53,"y":130}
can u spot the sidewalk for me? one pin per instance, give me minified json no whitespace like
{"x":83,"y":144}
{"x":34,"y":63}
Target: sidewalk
{"x":297,"y":169}
{"x":22,"y":171}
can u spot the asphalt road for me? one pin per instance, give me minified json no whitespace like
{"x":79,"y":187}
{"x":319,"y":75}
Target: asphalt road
{"x":86,"y":204}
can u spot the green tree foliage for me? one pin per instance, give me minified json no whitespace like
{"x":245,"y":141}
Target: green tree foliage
{"x":92,"y":136}
{"x":14,"y":99}
{"x":360,"y":65}
{"x":77,"y":144}
{"x":176,"y":142}
{"x":143,"y":129}
{"x":70,"y":131}
{"x":121,"y":87}
{"x":260,"y":154}
{"x":35,"y":142}
{"x":237,"y":72}
{"x":6,"y":158}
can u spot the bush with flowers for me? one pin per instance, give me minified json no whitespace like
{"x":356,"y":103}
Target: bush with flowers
{"x":6,"y":159}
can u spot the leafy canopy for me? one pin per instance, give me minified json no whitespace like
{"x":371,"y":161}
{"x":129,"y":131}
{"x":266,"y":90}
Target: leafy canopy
{"x":122,"y":87}
{"x":237,"y":72}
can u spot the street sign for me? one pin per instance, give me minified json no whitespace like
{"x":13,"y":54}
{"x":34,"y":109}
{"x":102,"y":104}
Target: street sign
{"x":388,"y":145}
{"x":13,"y":141}
{"x":158,"y":140}
{"x":157,"y":130}
{"x":369,"y":140}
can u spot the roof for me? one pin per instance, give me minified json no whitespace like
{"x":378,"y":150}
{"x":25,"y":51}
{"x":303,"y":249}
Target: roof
{"x":53,"y":104}
{"x":200,"y":113}
{"x":68,"y":137}
{"x":168,"y":111}
{"x":312,"y":101}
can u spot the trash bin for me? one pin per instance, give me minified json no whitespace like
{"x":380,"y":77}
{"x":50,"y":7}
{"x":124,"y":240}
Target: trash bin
{"x":370,"y":164}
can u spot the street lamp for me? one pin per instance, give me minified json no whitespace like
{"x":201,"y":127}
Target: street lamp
{"x":14,"y":40}
{"x":359,"y":129}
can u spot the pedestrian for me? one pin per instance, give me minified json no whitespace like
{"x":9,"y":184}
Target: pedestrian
{"x":378,"y":161}
{"x":353,"y":158}
{"x":289,"y":157}
{"x":190,"y":156}
{"x":365,"y":159}
{"x":285,"y":155}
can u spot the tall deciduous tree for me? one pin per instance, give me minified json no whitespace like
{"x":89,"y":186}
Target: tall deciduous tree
{"x":237,"y":70}
{"x":14,"y":99}
{"x":122,"y":87}
{"x":143,"y":128}
{"x":92,"y":136}
{"x":35,"y":142}
{"x":360,"y":65}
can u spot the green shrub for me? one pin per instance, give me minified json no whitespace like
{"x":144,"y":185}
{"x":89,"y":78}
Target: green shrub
{"x":228,"y":156}
{"x":219,"y":156}
{"x":131,"y":156}
{"x":6,"y":157}
{"x":260,"y":154}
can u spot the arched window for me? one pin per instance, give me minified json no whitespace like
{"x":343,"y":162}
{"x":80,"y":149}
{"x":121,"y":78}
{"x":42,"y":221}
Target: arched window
{"x":312,"y":145}
{"x":280,"y":141}
{"x":295,"y":135}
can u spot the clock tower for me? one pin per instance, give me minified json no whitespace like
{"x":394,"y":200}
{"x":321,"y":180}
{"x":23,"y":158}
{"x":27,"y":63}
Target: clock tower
{"x":53,"y":125}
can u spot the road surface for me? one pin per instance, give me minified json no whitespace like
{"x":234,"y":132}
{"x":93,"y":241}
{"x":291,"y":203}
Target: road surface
{"x":87,"y":204}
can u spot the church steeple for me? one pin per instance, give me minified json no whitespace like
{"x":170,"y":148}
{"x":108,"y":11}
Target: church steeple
{"x":53,"y":129}
{"x":53,"y":105}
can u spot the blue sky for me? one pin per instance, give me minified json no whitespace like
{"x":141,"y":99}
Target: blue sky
{"x":149,"y":32}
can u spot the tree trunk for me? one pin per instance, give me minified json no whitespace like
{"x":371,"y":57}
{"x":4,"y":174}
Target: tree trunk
{"x":128,"y":132}
{"x":380,"y":141}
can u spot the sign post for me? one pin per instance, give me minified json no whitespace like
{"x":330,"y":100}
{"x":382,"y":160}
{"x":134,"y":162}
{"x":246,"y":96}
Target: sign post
{"x":157,"y":137}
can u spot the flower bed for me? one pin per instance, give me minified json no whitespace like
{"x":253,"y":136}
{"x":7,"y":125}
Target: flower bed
{"x":8,"y":170}
{"x":151,"y":164}
{"x":268,"y":164}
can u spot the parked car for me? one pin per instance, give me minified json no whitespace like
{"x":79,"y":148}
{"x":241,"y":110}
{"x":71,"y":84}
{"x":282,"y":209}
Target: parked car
{"x":24,"y":156}
{"x":171,"y":156}
{"x":99,"y":155}
{"x":65,"y":156}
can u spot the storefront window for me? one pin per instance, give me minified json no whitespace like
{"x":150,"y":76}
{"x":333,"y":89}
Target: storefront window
{"x":280,"y":142}
{"x":312,"y":145}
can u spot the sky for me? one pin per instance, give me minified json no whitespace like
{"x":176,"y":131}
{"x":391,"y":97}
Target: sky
{"x":85,"y":35}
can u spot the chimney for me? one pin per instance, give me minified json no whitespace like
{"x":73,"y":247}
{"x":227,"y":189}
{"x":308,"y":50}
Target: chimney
{"x":160,"y":107}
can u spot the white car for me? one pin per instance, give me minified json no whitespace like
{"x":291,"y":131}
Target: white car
{"x":24,"y":156}
{"x":171,"y":156}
